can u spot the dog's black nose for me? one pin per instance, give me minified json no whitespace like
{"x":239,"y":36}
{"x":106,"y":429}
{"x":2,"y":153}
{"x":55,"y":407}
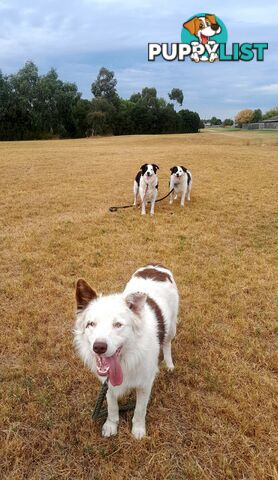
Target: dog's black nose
{"x":100,"y":347}
{"x":215,"y":26}
{"x":148,"y":173}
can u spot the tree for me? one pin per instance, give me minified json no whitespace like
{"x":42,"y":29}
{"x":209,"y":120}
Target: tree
{"x":36,"y":106}
{"x":189,"y":122}
{"x":177,"y":95}
{"x":102,"y":116}
{"x":257,"y":116}
{"x":81,"y":111}
{"x":105,"y":86}
{"x":273,"y":112}
{"x":228,"y":122}
{"x":149,"y":97}
{"x":215,"y":121}
{"x":244,"y":116}
{"x":105,"y":105}
{"x":135,"y":97}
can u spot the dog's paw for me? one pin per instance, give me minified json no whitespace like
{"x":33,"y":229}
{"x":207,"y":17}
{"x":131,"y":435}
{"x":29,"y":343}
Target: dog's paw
{"x":170,"y":366}
{"x":138,"y":431}
{"x":182,"y":205}
{"x":213,"y":57}
{"x":195,"y":57}
{"x":109,"y":428}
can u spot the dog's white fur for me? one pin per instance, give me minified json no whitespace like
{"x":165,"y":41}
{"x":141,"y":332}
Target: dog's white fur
{"x":137,"y":336}
{"x":147,"y":189}
{"x":179,"y":182}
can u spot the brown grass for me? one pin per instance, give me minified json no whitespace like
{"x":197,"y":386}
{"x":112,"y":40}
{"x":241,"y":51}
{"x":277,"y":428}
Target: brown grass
{"x":214,"y":417}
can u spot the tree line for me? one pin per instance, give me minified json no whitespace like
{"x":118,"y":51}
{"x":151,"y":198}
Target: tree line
{"x":34,"y":106}
{"x":254,"y":116}
{"x":244,"y":116}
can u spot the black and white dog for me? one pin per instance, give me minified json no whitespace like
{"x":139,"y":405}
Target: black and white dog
{"x":146,"y":184}
{"x":181,"y":182}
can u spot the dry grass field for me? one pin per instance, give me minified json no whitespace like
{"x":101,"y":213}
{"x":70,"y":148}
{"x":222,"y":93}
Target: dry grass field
{"x":213,"y":418}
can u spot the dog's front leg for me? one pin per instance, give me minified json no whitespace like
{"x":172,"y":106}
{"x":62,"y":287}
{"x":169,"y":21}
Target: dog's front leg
{"x":171,"y":194}
{"x":143,"y":209}
{"x":153,"y":202}
{"x":138,"y":421}
{"x":111,"y":425}
{"x":135,"y":193}
{"x":183,"y":198}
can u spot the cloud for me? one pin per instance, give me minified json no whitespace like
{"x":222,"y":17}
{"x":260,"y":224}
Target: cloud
{"x":272,"y":88}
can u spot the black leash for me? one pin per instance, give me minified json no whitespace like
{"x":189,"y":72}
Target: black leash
{"x":114,"y":209}
{"x":99,"y":412}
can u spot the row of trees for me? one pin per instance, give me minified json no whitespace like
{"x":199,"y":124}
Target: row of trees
{"x":217,"y":121}
{"x":254,"y":116}
{"x":244,"y":116}
{"x":144,"y":112}
{"x":34,"y":106}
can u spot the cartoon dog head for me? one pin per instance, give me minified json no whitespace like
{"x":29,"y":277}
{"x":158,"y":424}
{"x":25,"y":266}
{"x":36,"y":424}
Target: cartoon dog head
{"x":203,"y":27}
{"x":149,"y":169}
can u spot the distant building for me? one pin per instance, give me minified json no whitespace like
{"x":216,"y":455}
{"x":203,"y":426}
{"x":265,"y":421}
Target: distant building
{"x":209,"y":125}
{"x":270,"y":123}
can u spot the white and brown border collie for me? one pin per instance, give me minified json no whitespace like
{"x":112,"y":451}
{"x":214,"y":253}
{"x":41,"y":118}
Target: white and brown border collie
{"x":119,"y":337}
{"x":181,"y":182}
{"x":146,"y":184}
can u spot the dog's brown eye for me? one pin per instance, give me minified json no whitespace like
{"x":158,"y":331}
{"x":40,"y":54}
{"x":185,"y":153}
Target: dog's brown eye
{"x":91,"y":324}
{"x":117,"y":325}
{"x":202,"y":25}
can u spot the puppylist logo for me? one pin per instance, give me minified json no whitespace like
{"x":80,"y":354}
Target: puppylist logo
{"x":204,"y":38}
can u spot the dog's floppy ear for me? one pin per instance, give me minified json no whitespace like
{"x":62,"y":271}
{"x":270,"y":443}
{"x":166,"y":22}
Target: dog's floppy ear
{"x":192,"y":25}
{"x":184,"y":169}
{"x":212,"y":19}
{"x":143,"y":166}
{"x":155,"y":167}
{"x":172,"y":169}
{"x":136,"y":301}
{"x":84,"y":294}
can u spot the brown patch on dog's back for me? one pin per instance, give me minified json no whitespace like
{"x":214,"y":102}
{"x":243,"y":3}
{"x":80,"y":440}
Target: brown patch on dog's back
{"x":153,"y":274}
{"x":159,"y":318}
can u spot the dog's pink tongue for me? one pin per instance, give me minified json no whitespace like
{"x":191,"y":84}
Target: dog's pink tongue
{"x":115,"y":373}
{"x":204,"y":39}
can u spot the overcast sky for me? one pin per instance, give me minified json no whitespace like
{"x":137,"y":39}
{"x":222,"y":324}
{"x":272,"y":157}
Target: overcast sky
{"x":78,"y":37}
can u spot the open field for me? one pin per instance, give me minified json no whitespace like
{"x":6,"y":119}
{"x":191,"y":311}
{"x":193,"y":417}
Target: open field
{"x":213,"y":418}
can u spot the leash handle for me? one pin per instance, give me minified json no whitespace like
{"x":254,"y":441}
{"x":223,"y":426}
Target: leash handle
{"x":97,"y":410}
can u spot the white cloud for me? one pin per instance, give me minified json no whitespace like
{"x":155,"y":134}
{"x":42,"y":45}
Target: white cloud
{"x":272,"y":88}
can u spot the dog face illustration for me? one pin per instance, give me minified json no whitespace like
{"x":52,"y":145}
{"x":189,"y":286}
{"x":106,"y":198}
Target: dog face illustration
{"x":203,"y":27}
